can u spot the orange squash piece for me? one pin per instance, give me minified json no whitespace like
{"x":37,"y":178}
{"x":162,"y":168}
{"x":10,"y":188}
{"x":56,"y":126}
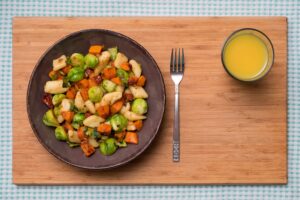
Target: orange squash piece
{"x":84,"y":93}
{"x":109,"y":73}
{"x":103,"y":111}
{"x":68,"y":116}
{"x":104,"y":129}
{"x":95,"y":49}
{"x":71,"y":93}
{"x":125,"y":66}
{"x":141,"y":81}
{"x":116,"y":107}
{"x":131,"y":137}
{"x":117,"y":80}
{"x":138,"y":124}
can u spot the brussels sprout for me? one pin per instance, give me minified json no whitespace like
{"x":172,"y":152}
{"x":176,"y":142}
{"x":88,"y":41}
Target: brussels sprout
{"x":57,"y":110}
{"x":57,"y":99}
{"x":75,"y":125}
{"x":77,"y":60}
{"x":108,"y":85}
{"x":76,"y":74}
{"x":72,"y":145}
{"x":49,"y":119}
{"x":121,"y":144}
{"x":95,"y":94}
{"x":78,"y":118}
{"x":90,"y":61}
{"x":113,"y":52}
{"x":60,"y":133}
{"x":92,"y":133}
{"x":108,"y":147}
{"x":139,"y":106}
{"x":118,"y":122}
{"x":123,"y":76}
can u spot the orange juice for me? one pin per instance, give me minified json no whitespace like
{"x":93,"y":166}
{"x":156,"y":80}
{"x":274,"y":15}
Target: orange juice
{"x":246,"y":56}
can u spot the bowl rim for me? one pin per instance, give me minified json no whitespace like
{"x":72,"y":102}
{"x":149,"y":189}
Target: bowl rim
{"x":29,"y":113}
{"x":223,"y":49}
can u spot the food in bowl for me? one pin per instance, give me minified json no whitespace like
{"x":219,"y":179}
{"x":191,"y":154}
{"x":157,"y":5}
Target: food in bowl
{"x":96,"y":100}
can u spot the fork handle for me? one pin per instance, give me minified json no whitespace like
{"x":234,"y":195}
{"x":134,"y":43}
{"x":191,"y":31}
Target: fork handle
{"x":176,"y":129}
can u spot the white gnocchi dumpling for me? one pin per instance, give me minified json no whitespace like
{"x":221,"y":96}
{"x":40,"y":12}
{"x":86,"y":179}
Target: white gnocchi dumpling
{"x":90,"y":106}
{"x":79,"y":102}
{"x":138,"y":92}
{"x":59,"y":63}
{"x":110,"y":98}
{"x":73,"y":137}
{"x":66,"y":105}
{"x":120,"y":59}
{"x":136,"y":68}
{"x":55,"y":87}
{"x":93,"y":121}
{"x":131,"y":116}
{"x":104,"y":59}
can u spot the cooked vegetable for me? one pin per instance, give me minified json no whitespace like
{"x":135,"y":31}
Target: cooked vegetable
{"x":141,"y":81}
{"x":108,"y":85}
{"x":131,"y":137}
{"x":136,"y":68}
{"x":109,"y":73}
{"x":59,"y":63}
{"x":77,"y":60}
{"x":57,"y":99}
{"x":103,"y":111}
{"x":138,"y":124}
{"x":118,"y":122}
{"x":87,"y":148}
{"x":93,"y":121}
{"x":113,"y":52}
{"x":67,"y":115}
{"x":91,"y":61}
{"x":123,"y":75}
{"x":54,"y":87}
{"x":71,"y":93}
{"x":116,"y":107}
{"x":96,"y":100}
{"x":49,"y":119}
{"x":95,"y":94}
{"x":104,"y":129}
{"x":60,"y":133}
{"x":76,"y":74}
{"x":95,"y":49}
{"x":139,"y":106}
{"x":78,"y":118}
{"x":120,"y":59}
{"x":108,"y":147}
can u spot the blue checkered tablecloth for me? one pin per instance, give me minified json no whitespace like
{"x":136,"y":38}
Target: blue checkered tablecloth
{"x":10,"y":8}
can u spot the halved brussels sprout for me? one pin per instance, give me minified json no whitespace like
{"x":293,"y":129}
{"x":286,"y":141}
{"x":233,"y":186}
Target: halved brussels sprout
{"x":57,"y":110}
{"x":77,"y":60}
{"x":75,"y":74}
{"x":121,"y":144}
{"x":123,"y":76}
{"x":57,"y":99}
{"x":108,"y":85}
{"x":113,"y":52}
{"x":95,"y":94}
{"x":139,"y":106}
{"x":108,"y":147}
{"x":60,"y":133}
{"x":90,"y":61}
{"x":118,"y":122}
{"x":78,"y":118}
{"x":49,"y":119}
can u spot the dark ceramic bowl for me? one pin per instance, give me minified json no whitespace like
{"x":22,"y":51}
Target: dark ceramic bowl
{"x":80,"y":42}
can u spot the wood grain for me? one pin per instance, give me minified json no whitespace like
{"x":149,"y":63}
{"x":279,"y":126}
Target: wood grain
{"x":231,"y":133}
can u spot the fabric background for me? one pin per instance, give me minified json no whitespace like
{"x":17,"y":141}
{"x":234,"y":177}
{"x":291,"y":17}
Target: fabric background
{"x":8,"y":9}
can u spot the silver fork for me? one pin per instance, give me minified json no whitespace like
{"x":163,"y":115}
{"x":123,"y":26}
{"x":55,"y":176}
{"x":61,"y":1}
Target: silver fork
{"x":176,"y":70}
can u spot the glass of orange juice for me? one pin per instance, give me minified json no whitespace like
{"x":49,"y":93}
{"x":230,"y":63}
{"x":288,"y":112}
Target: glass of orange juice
{"x":248,"y":54}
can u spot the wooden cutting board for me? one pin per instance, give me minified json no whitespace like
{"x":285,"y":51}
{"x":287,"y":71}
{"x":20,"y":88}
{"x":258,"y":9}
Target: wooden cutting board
{"x":231,"y":133}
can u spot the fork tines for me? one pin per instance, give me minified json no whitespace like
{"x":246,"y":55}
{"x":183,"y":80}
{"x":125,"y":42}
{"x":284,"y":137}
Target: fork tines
{"x":177,"y":61}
